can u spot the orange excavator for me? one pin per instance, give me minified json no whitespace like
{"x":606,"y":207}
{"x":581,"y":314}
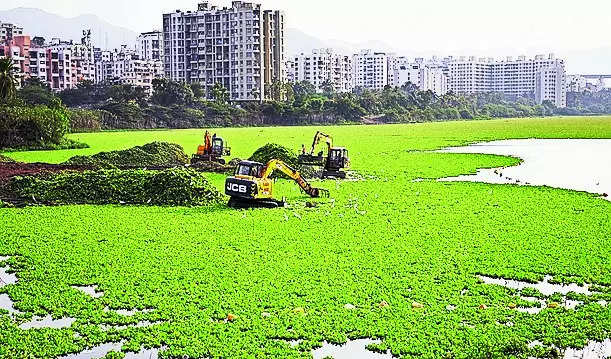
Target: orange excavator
{"x":212,"y":150}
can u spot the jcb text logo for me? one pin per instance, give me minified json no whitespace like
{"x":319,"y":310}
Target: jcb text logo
{"x":234,"y":187}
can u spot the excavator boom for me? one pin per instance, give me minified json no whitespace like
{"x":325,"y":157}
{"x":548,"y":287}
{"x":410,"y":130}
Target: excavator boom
{"x":317,"y":138}
{"x":274,"y":165}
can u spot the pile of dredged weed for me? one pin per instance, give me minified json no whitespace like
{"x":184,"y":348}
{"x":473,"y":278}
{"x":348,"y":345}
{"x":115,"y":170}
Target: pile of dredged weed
{"x":156,"y":154}
{"x":171,"y":187}
{"x":273,"y":151}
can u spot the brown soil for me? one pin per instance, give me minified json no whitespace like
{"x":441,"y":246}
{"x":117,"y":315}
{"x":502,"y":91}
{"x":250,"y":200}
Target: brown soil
{"x":10,"y":170}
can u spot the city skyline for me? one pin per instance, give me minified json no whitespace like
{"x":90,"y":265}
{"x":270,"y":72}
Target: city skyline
{"x":414,"y":29}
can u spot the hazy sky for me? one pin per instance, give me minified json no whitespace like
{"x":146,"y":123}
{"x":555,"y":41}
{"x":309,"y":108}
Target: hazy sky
{"x":480,"y":27}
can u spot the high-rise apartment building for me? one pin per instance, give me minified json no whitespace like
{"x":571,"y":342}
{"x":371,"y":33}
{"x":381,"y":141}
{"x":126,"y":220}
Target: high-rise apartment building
{"x":370,"y":70}
{"x":241,"y":48}
{"x":426,"y":75}
{"x":512,"y":77}
{"x":320,"y":68}
{"x":576,"y":83}
{"x":18,"y":49}
{"x":550,"y":85}
{"x":126,"y":67}
{"x":149,"y":46}
{"x":8,"y":31}
{"x":53,"y":66}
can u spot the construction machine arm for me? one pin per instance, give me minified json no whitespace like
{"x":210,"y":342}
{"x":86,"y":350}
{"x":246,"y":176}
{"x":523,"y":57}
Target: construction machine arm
{"x":274,"y":165}
{"x":317,"y":138}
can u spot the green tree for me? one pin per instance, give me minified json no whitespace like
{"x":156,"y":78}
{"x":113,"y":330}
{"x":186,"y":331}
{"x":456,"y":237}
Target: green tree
{"x":276,"y":91}
{"x":303,"y":90}
{"x":8,"y":80}
{"x":219,"y":93}
{"x":126,"y":93}
{"x":327,"y":88}
{"x":167,"y":92}
{"x":36,"y":93}
{"x":198,"y":90}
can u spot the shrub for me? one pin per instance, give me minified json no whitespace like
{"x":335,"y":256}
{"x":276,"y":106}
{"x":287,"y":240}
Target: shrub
{"x":152,"y":154}
{"x":82,"y":120}
{"x":274,"y":151}
{"x":4,"y":159}
{"x":172,"y":187}
{"x":22,"y":126}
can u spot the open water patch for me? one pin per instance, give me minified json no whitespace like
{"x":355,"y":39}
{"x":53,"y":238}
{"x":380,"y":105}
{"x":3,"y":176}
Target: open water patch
{"x":546,"y":289}
{"x":48,"y":322}
{"x":90,"y":290}
{"x":7,"y":278}
{"x":353,"y":349}
{"x":102,"y":350}
{"x":594,"y":350}
{"x":141,"y":324}
{"x":573,"y":164}
{"x":6,"y":303}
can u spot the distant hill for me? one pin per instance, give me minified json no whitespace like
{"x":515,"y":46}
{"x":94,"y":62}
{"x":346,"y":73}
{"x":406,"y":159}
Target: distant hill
{"x":37,"y":22}
{"x":298,"y":41}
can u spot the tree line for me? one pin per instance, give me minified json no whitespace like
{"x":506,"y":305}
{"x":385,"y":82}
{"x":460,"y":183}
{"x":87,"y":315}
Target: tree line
{"x":93,"y":107}
{"x":179,"y":105}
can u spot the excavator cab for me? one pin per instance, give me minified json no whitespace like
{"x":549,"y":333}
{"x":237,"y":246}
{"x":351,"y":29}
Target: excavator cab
{"x":219,"y":149}
{"x":338,"y":159}
{"x":249,"y":169}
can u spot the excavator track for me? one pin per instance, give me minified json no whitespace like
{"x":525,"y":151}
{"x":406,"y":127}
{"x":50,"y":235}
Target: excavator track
{"x":242,"y":203}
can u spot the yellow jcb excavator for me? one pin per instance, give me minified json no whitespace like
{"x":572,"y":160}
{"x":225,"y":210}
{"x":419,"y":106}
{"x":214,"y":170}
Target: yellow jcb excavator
{"x":334,"y":162}
{"x":251,"y":185}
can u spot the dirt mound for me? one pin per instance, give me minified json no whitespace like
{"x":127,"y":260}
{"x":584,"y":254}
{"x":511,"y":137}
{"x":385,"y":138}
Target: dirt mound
{"x":13,"y":169}
{"x":171,"y":187}
{"x":156,"y":154}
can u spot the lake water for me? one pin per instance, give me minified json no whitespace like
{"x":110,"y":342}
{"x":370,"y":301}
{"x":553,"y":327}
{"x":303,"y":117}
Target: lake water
{"x":575,"y":164}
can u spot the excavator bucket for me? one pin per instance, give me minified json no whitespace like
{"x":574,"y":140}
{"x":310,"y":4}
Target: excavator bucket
{"x":321,"y":193}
